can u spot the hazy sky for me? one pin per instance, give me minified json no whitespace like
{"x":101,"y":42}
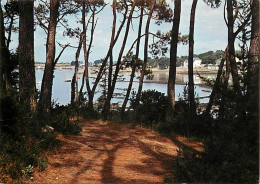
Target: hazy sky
{"x":210,"y":33}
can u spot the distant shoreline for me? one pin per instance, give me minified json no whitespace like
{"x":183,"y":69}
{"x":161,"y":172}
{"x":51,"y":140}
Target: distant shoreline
{"x":179,"y":70}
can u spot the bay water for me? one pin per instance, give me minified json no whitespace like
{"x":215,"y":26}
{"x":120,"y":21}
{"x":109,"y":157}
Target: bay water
{"x":61,"y":92}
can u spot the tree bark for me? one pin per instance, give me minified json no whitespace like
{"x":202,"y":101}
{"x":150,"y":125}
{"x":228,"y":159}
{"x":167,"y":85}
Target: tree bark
{"x":190,"y":63}
{"x":111,"y":43}
{"x":4,"y":54}
{"x":173,"y":54}
{"x":106,"y":109}
{"x":81,"y":96}
{"x":72,"y":96}
{"x":76,"y":69}
{"x":10,"y":31}
{"x":141,"y":80}
{"x":27,"y":84}
{"x":215,"y":88}
{"x":2,"y":47}
{"x":254,"y":43}
{"x":86,"y":53}
{"x":134,"y":63}
{"x":47,"y":81}
{"x":231,"y":50}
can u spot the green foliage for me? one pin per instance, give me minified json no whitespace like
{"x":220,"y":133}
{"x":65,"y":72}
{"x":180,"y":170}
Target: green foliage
{"x":163,"y":62}
{"x":231,"y":153}
{"x":27,"y":171}
{"x":61,"y":122}
{"x":181,"y":122}
{"x":210,"y":57}
{"x":151,"y":109}
{"x":22,"y":141}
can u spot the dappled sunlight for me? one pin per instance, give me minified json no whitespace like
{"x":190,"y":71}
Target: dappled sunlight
{"x":110,"y":153}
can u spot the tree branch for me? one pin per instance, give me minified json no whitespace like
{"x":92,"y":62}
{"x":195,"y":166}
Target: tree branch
{"x":42,"y":25}
{"x":239,"y":29}
{"x":63,"y":48}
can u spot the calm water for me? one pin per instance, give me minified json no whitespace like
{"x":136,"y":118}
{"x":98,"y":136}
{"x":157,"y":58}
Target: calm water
{"x":62,"y":90}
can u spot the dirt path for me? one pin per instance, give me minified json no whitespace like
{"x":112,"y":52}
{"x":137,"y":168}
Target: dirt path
{"x":109,"y":153}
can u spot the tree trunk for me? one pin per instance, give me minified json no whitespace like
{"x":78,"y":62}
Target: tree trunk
{"x":47,"y":81}
{"x":173,"y":55}
{"x":27,"y":84}
{"x":111,"y":51}
{"x":2,"y":47}
{"x":6,"y":78}
{"x":4,"y":53}
{"x":133,"y":64}
{"x":112,"y":43}
{"x":224,"y":90}
{"x":138,"y":95}
{"x":106,"y":109}
{"x":86,"y":56}
{"x":215,"y":88}
{"x":81,"y":96}
{"x":231,"y":50}
{"x":10,"y":31}
{"x":190,"y":63}
{"x":76,"y":68}
{"x":254,"y":43}
{"x":72,"y":96}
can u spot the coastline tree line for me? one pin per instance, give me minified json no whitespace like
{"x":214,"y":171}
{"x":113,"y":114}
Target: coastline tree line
{"x":229,"y":132}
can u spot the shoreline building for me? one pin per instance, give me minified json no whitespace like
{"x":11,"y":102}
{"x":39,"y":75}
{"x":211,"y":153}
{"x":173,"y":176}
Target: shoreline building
{"x":196,"y":63}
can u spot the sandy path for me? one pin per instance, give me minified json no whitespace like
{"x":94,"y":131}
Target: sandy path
{"x":109,"y":153}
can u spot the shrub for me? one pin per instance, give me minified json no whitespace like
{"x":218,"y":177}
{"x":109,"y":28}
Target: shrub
{"x":21,"y":141}
{"x":152,"y":108}
{"x":231,"y":147}
{"x":61,"y":119}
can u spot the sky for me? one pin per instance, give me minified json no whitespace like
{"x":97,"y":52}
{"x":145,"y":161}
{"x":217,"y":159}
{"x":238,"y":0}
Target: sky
{"x":210,"y":33}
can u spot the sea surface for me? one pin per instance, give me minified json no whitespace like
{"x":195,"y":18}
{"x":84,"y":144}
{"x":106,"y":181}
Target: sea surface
{"x":61,"y":91}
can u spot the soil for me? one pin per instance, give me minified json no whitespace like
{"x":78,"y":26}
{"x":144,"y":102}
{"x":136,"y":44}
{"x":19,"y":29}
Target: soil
{"x":112,"y":153}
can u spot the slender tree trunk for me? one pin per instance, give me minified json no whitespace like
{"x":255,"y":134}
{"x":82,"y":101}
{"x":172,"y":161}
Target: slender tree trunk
{"x":81,"y":96}
{"x":224,"y":90}
{"x":4,"y":55}
{"x":2,"y":48}
{"x":190,"y":64}
{"x":254,"y":43}
{"x":112,"y":43}
{"x":215,"y":88}
{"x":47,"y":81}
{"x":6,"y":79}
{"x":138,"y":95}
{"x":86,"y":53}
{"x":133,"y":64}
{"x":173,"y":54}
{"x":27,"y":84}
{"x":10,"y":31}
{"x":76,"y":69}
{"x":72,"y":96}
{"x":231,"y":50}
{"x":111,"y":51}
{"x":106,"y":109}
{"x":90,"y":93}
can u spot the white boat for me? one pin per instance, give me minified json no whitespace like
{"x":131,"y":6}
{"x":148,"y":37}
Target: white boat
{"x":67,"y":78}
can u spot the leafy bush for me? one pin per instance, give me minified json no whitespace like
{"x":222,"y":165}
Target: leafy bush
{"x":230,"y":155}
{"x":61,"y":119}
{"x":22,"y":142}
{"x":231,"y":147}
{"x":152,"y":108}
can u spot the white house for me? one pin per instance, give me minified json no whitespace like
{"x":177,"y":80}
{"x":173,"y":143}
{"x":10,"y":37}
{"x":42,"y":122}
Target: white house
{"x":196,"y":62}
